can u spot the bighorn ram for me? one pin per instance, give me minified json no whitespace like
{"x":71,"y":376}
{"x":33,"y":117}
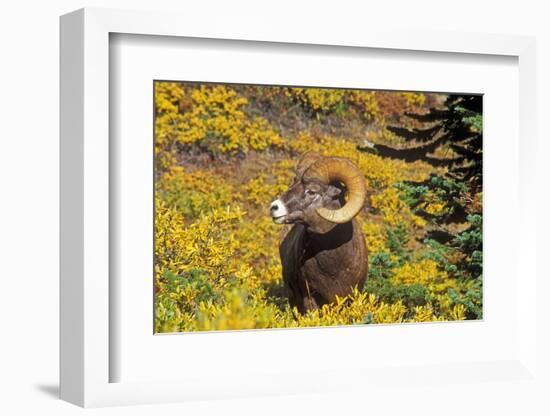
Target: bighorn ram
{"x":324,"y":254}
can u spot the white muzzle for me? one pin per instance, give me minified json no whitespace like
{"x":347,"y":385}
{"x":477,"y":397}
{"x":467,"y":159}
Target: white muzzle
{"x":278,"y":211}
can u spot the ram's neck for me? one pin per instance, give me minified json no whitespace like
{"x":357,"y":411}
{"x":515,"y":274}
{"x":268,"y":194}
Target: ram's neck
{"x":338,"y":236}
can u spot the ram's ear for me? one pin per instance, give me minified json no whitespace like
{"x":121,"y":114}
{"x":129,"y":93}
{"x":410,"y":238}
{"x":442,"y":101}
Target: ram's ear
{"x":333,"y":191}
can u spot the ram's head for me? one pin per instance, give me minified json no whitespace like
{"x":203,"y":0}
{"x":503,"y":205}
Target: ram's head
{"x":325,"y":191}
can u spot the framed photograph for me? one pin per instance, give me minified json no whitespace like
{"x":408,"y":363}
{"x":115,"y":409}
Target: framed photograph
{"x":284,"y":212}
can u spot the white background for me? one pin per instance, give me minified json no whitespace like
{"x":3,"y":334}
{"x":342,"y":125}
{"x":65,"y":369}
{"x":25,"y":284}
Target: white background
{"x":29,"y":209}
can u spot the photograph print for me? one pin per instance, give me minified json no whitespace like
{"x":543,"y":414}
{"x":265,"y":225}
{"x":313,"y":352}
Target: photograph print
{"x":288,"y":207}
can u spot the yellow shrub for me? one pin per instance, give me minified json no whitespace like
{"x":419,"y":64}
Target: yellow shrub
{"x":357,"y":308}
{"x":214,"y":121}
{"x":413,"y":98}
{"x":374,"y":236}
{"x":205,"y":244}
{"x":196,"y":191}
{"x":394,"y":210}
{"x":366,"y":101}
{"x":426,"y":273}
{"x":318,"y":99}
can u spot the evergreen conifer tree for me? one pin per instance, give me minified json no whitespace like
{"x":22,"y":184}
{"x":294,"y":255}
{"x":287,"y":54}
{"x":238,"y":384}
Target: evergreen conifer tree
{"x":450,"y":139}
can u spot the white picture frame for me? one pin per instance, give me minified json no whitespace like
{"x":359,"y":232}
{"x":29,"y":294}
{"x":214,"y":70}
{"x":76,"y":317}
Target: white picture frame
{"x":85,"y":354}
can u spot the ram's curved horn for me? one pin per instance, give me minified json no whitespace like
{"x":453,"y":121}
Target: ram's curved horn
{"x":306,"y":160}
{"x":335,"y":169}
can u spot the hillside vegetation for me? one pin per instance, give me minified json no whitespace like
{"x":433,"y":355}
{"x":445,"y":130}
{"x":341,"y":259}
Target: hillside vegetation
{"x":224,"y":152}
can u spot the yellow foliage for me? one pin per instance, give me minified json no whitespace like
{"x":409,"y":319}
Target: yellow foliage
{"x":413,"y":98}
{"x":426,"y":273}
{"x":374,"y":236}
{"x":458,"y":313}
{"x":318,"y":99}
{"x":366,"y":100}
{"x":196,"y":191}
{"x":213,"y":120}
{"x":393,"y":209}
{"x":208,"y":244}
{"x":357,"y":308}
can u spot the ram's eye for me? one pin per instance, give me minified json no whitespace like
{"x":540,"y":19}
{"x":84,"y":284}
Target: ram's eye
{"x":310,"y":192}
